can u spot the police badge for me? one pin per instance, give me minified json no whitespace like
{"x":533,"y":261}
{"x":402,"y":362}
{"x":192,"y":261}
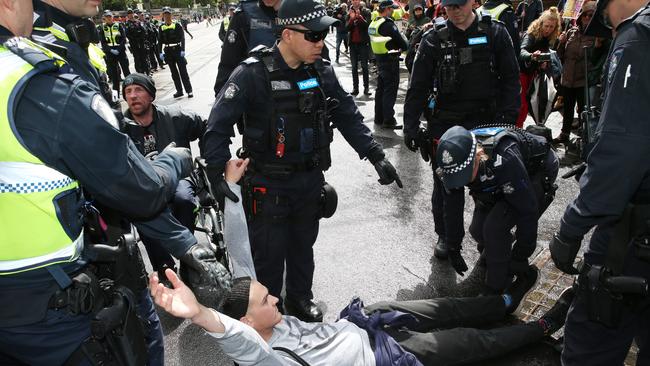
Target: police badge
{"x":232,"y":36}
{"x":231,"y":91}
{"x":446,"y":157}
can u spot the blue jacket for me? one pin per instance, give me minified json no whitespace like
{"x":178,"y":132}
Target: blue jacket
{"x":387,"y":351}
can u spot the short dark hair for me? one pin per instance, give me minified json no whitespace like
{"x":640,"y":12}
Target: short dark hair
{"x":236,"y":303}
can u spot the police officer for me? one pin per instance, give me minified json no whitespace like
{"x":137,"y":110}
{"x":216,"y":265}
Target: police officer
{"x":113,"y":40}
{"x":225,"y":25}
{"x":172,"y":44}
{"x":611,"y":307}
{"x":53,"y":293}
{"x":152,"y":127}
{"x":137,"y":35}
{"x":465,"y":73}
{"x":287,"y":95}
{"x":152,"y":44}
{"x":510,"y":174}
{"x":502,"y":11}
{"x":387,"y":44}
{"x":253,"y":24}
{"x":69,"y":28}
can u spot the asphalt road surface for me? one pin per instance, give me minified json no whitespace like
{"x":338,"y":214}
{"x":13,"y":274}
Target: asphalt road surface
{"x":379,"y":244}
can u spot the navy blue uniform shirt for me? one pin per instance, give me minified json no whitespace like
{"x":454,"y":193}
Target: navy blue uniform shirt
{"x":506,"y":173}
{"x":249,"y":90}
{"x":618,"y":166}
{"x":425,"y":70}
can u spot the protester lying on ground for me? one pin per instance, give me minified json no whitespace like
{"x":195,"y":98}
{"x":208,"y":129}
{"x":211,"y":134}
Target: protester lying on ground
{"x":433,"y":331}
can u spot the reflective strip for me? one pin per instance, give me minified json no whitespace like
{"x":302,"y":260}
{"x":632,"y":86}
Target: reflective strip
{"x":68,"y":253}
{"x":19,"y":177}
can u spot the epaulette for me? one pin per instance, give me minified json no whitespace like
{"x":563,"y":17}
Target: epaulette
{"x":250,"y":60}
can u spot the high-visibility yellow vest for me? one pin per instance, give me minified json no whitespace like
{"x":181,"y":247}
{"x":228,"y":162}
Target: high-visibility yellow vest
{"x":95,"y":54}
{"x":112,"y":34}
{"x":32,"y":235}
{"x":226,"y":23}
{"x":374,"y":15}
{"x":377,"y":41}
{"x":496,"y":11}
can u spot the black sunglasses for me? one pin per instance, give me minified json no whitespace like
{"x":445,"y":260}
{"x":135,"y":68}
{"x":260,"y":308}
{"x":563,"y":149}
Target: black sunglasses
{"x":312,"y":36}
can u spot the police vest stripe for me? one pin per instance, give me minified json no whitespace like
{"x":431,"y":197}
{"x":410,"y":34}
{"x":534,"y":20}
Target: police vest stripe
{"x":32,"y":234}
{"x":496,"y":11}
{"x":95,"y":54}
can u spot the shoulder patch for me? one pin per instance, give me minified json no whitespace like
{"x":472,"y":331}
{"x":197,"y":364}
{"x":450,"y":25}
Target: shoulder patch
{"x":507,"y":188}
{"x":232,"y":36}
{"x":103,"y":110}
{"x":231,"y":91}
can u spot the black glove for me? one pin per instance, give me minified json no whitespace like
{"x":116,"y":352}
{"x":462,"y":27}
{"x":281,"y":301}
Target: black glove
{"x":563,"y":253}
{"x":219,"y":185}
{"x":387,"y":173}
{"x":209,"y":280}
{"x":181,"y":154}
{"x":411,"y":142}
{"x":457,"y":262}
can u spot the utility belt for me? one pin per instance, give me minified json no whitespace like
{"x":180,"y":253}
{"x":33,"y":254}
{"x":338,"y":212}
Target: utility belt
{"x":609,"y":293}
{"x":281,"y":171}
{"x":170,"y":45}
{"x":608,"y":296}
{"x":117,"y":336}
{"x":254,"y":198}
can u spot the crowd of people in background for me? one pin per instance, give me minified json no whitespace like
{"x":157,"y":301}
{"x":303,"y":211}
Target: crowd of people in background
{"x":549,"y":44}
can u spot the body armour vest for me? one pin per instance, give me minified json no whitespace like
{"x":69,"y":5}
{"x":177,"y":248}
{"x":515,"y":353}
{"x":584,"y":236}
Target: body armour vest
{"x":112,"y":34}
{"x":169,"y":35}
{"x":297,"y":132}
{"x":533,"y":148}
{"x":35,"y":231}
{"x":263,"y":29}
{"x":466,"y":79}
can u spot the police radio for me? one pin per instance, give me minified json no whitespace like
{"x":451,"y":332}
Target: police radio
{"x":82,"y":32}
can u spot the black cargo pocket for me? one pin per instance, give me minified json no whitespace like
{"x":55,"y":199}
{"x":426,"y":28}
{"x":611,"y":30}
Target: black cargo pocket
{"x":255,"y":139}
{"x":68,"y":210}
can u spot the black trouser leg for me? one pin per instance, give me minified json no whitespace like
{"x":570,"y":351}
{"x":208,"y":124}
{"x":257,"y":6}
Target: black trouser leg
{"x":389,"y":74}
{"x":158,"y":256}
{"x":354,"y":60}
{"x":457,"y":345}
{"x":124,"y":64}
{"x":185,"y":77}
{"x":437,"y":204}
{"x":498,"y":221}
{"x":568,"y":110}
{"x":113,"y":71}
{"x":379,"y":99}
{"x":172,"y":56}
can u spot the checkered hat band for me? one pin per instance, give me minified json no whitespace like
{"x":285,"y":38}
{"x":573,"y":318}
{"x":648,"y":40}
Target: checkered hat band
{"x":467,"y":161}
{"x":303,"y":18}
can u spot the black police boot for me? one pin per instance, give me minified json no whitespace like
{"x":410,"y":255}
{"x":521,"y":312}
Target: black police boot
{"x":555,"y":317}
{"x":355,"y":91}
{"x":305,"y":310}
{"x":178,"y":94}
{"x":366,"y":92}
{"x":391,"y":125}
{"x":521,"y":287}
{"x":440,"y":250}
{"x":190,"y":95}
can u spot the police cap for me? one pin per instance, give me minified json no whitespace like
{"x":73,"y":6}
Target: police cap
{"x":308,"y":13}
{"x":167,"y":10}
{"x":453,"y":2}
{"x":108,"y":13}
{"x":138,"y":11}
{"x":143,"y":80}
{"x":387,"y":4}
{"x":599,"y":26}
{"x":129,"y":11}
{"x":455,"y":157}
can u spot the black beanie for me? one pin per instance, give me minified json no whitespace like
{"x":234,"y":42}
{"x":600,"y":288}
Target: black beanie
{"x":236,"y":304}
{"x":143,"y":80}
